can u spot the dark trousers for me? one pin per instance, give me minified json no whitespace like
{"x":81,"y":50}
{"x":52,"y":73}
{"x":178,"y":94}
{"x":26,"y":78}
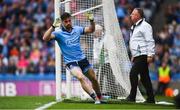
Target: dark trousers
{"x":161,"y":88}
{"x":140,"y":66}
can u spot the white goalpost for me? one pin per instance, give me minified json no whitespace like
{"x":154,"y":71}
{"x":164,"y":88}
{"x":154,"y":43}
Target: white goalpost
{"x":57,"y":55}
{"x":105,"y":49}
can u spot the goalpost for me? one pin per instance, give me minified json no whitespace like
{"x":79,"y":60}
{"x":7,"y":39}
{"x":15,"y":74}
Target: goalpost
{"x":57,"y":55}
{"x":106,"y":51}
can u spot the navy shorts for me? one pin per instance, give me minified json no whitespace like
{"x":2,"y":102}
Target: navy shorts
{"x":83,"y":64}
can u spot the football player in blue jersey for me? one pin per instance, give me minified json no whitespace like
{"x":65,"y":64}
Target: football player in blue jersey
{"x":68,"y":38}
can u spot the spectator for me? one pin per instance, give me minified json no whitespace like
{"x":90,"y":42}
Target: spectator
{"x":120,"y":13}
{"x":50,"y":67}
{"x":41,"y":67}
{"x":22,"y":65}
{"x":1,"y":46}
{"x":12,"y":68}
{"x":14,"y":54}
{"x":164,"y":74}
{"x":176,"y":66}
{"x":3,"y":68}
{"x":35,"y":55}
{"x":32,"y":68}
{"x":39,"y":17}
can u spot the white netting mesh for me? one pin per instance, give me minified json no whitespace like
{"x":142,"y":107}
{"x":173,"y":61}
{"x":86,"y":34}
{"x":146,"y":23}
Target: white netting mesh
{"x":105,"y":48}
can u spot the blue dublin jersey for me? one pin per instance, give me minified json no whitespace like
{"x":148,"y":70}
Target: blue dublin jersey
{"x":69,"y":43}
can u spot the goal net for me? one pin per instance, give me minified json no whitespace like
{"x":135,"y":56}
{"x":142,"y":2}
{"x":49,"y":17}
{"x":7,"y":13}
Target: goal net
{"x":105,"y":49}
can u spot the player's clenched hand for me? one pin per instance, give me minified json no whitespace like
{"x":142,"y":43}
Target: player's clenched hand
{"x":56,"y":23}
{"x":90,"y":16}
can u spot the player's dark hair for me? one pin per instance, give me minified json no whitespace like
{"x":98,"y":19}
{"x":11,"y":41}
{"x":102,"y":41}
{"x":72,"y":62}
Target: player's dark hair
{"x":65,"y":15}
{"x":140,"y":11}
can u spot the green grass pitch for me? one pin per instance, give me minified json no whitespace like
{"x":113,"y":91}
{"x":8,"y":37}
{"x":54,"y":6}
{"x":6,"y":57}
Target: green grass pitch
{"x":32,"y":102}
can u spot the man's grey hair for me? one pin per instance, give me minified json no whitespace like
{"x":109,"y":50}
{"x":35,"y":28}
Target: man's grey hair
{"x":140,"y":11}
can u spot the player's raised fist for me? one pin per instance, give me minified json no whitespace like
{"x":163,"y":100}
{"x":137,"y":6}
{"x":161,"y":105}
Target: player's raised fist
{"x":56,"y":23}
{"x":90,"y":16}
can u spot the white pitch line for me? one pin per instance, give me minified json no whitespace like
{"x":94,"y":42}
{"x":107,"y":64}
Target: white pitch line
{"x":164,"y":103}
{"x":159,"y":103}
{"x":46,"y":105}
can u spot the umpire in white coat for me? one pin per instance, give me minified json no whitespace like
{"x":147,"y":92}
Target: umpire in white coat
{"x":142,"y":49}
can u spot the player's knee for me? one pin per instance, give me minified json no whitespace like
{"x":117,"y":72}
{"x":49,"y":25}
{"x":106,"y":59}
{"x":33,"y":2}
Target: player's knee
{"x":81,"y":78}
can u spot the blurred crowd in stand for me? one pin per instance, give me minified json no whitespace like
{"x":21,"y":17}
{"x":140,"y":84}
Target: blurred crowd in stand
{"x":23,"y":22}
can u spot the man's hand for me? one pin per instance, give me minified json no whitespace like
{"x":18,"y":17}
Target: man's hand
{"x":90,"y":16}
{"x":56,"y":23}
{"x":150,"y":59}
{"x":90,"y":28}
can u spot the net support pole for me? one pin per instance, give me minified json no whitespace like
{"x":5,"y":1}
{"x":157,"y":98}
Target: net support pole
{"x":68,"y":74}
{"x":57,"y":56}
{"x":89,"y":9}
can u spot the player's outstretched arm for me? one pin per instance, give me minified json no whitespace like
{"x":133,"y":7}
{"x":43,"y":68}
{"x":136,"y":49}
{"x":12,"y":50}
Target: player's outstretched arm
{"x":47,"y":35}
{"x":90,"y":28}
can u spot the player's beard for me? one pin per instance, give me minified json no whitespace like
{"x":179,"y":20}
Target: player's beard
{"x":69,"y":27}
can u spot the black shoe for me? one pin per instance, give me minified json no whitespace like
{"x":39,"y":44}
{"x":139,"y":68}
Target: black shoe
{"x":129,"y":99}
{"x":150,"y":101}
{"x":104,"y":102}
